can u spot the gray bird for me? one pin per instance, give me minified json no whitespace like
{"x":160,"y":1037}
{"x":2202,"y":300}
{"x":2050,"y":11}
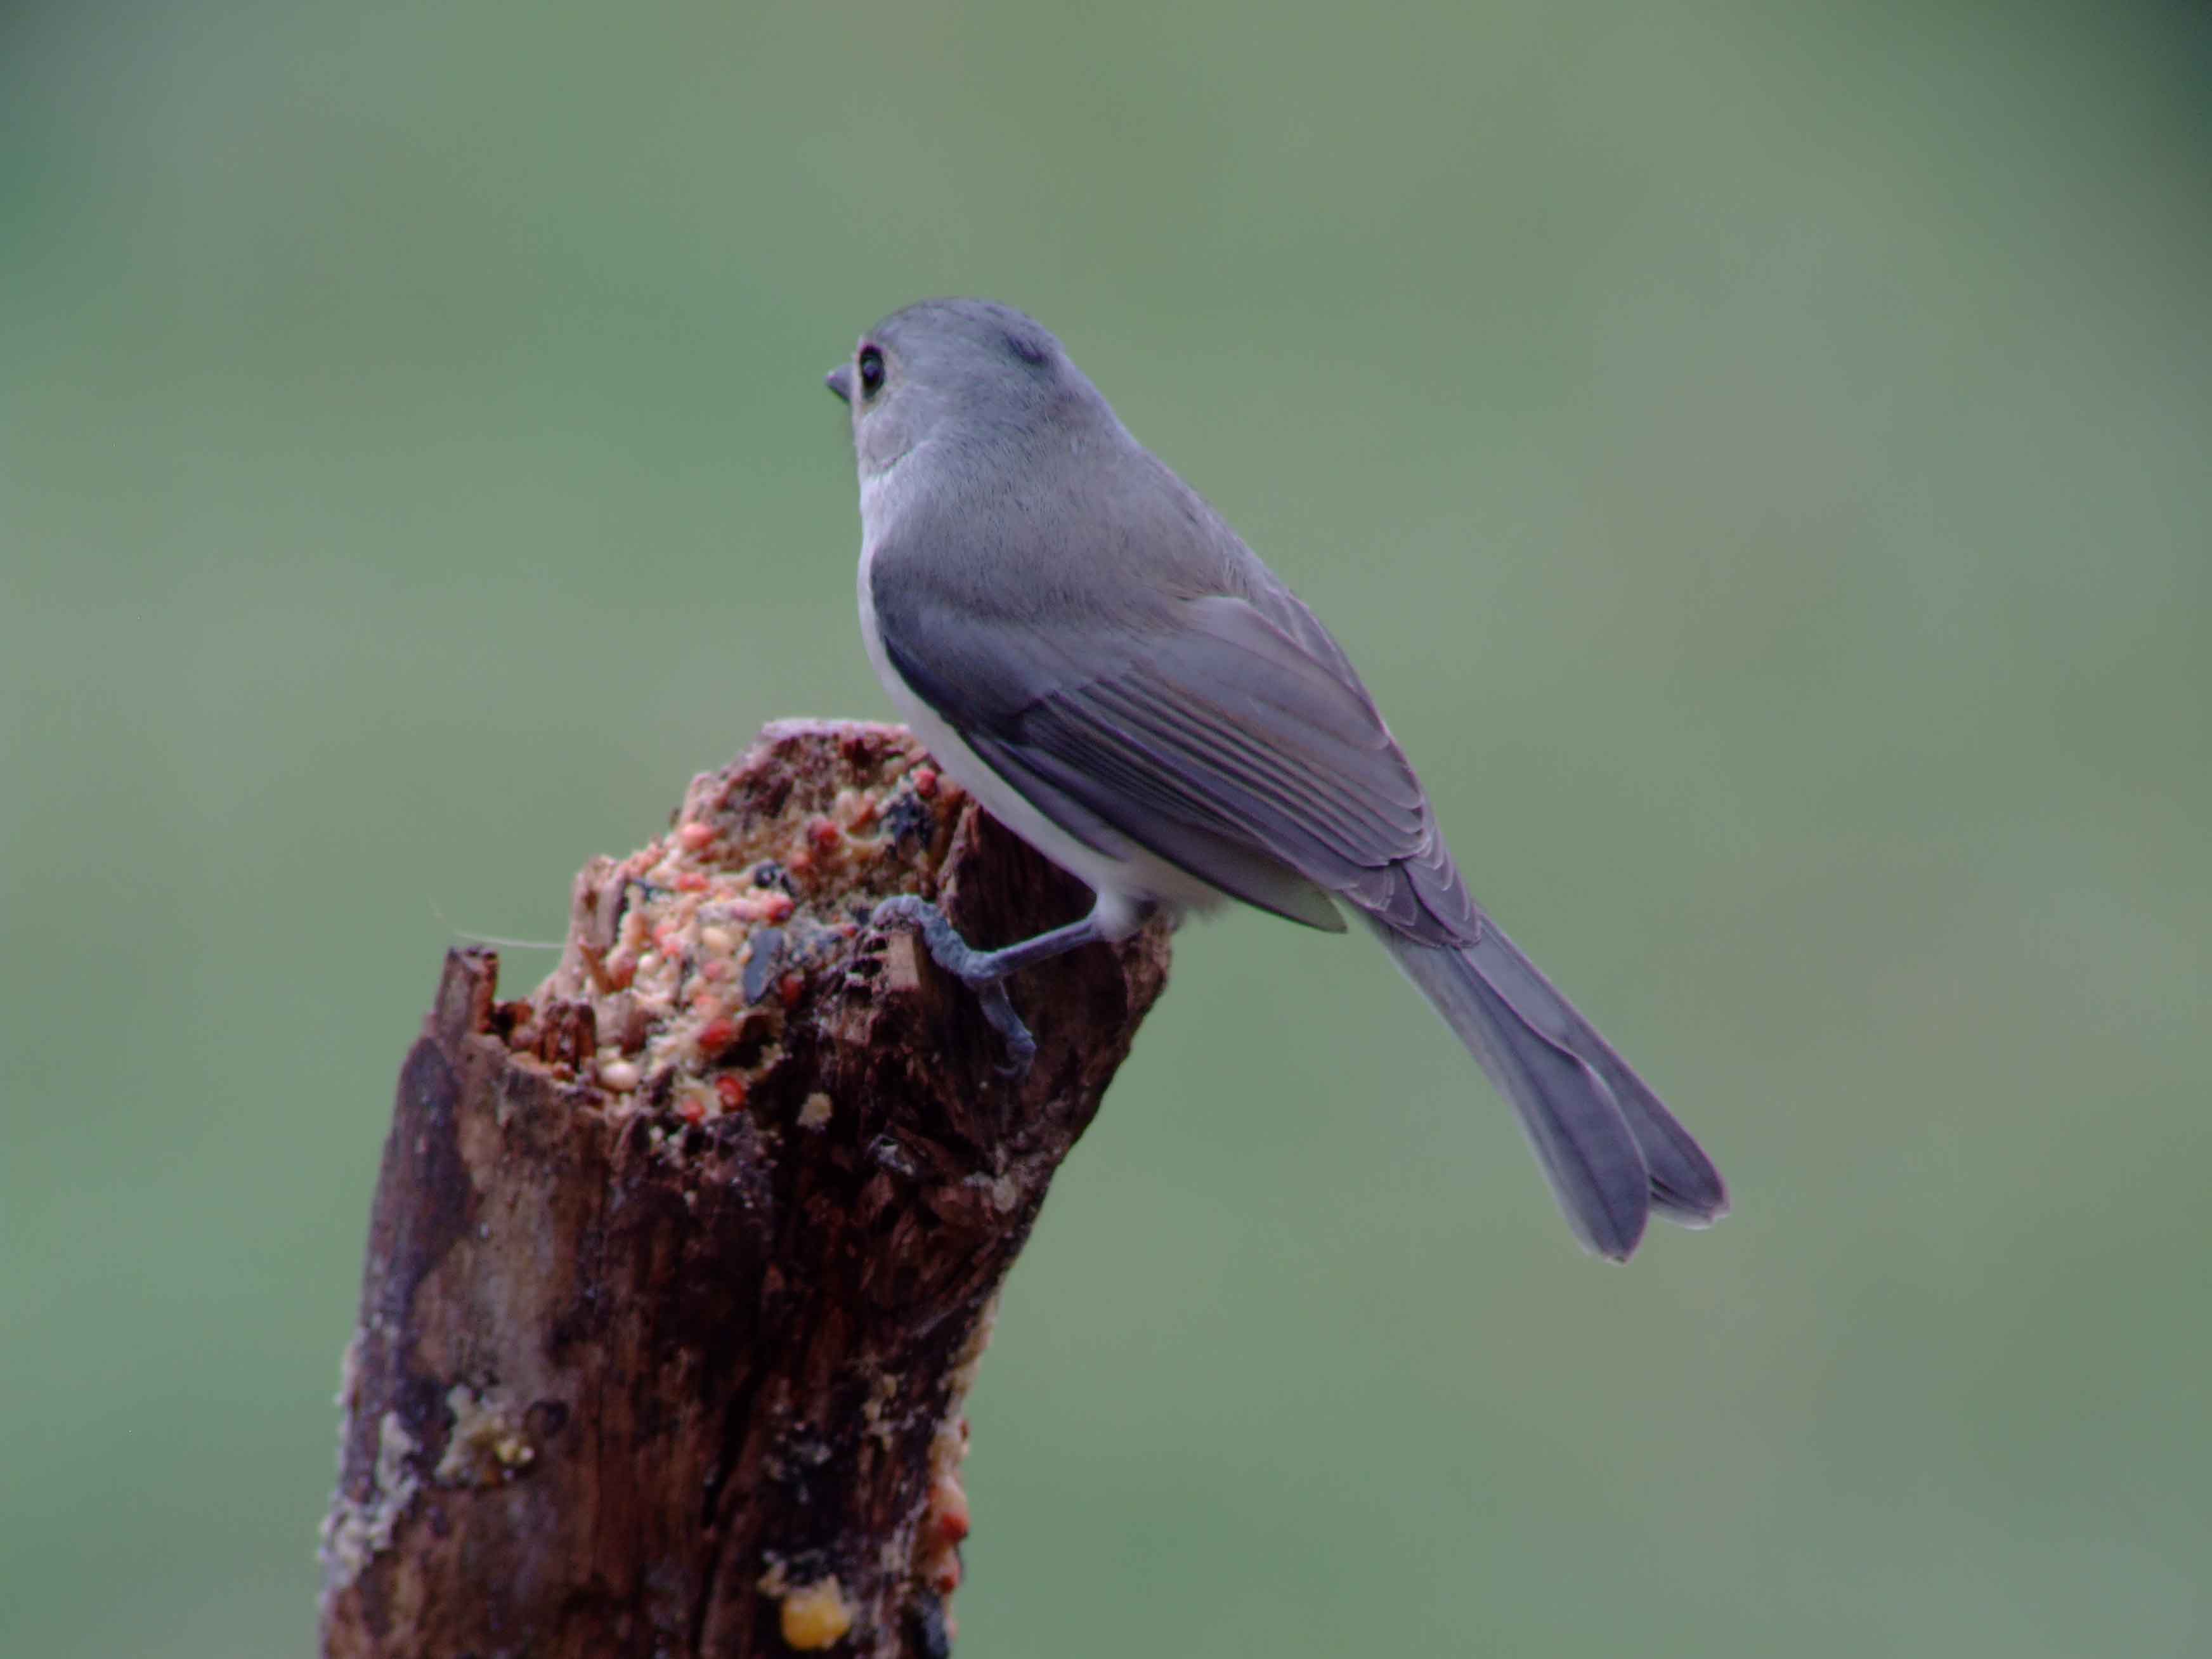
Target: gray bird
{"x":1090,"y":650}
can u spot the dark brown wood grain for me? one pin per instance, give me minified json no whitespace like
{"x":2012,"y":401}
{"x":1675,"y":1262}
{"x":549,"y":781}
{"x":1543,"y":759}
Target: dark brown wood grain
{"x":629,"y":1384}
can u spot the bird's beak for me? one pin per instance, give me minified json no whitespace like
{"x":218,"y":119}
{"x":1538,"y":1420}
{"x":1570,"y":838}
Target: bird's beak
{"x":840,"y":380}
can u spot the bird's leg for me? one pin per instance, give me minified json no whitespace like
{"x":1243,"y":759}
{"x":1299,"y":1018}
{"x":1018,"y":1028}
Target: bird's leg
{"x":985,"y":971}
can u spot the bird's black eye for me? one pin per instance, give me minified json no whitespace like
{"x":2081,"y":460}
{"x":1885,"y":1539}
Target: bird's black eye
{"x":871,"y":371}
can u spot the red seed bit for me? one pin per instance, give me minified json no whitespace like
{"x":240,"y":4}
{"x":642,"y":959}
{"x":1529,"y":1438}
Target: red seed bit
{"x":691,"y":881}
{"x":824,"y":835}
{"x":945,"y":1573}
{"x":732,"y":1089}
{"x":925,"y":781}
{"x":949,"y":1503}
{"x":693,"y":1109}
{"x":777,"y":907}
{"x":695,"y":836}
{"x":790,"y":988}
{"x":716,"y":1035}
{"x":717,"y":968}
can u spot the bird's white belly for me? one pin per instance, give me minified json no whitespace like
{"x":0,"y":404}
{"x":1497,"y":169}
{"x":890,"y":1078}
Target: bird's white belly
{"x":1127,"y":880}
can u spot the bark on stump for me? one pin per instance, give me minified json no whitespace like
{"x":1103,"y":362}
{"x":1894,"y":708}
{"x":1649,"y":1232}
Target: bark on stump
{"x":679,"y":1271}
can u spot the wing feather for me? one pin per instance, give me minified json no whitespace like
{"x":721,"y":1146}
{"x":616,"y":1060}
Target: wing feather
{"x":1215,"y":736}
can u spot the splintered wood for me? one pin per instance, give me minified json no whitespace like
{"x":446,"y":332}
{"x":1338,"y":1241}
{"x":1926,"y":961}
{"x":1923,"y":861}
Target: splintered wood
{"x":679,"y":1269}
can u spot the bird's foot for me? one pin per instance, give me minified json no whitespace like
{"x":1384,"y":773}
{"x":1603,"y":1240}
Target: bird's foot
{"x":983,"y":972}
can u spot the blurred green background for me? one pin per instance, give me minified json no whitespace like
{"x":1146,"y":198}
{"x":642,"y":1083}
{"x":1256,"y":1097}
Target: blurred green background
{"x":1759,"y":454}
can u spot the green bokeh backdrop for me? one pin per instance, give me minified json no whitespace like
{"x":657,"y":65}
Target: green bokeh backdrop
{"x":1759,"y":454}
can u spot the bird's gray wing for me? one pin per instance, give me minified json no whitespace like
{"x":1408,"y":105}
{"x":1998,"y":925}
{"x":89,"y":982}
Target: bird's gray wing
{"x":1208,"y":734}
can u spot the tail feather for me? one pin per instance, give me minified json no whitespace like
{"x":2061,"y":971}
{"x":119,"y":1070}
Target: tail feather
{"x":1611,"y":1152}
{"x":1578,"y":1133}
{"x":1686,"y":1187}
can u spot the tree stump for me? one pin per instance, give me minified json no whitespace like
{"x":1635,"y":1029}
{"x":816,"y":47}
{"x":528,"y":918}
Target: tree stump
{"x":679,"y":1270}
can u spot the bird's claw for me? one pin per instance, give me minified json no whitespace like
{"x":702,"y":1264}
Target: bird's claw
{"x":972,"y":968}
{"x":998,"y":1010}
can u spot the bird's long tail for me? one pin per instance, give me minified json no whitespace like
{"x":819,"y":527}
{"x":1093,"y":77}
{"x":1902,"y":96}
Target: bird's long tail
{"x":1612,"y":1153}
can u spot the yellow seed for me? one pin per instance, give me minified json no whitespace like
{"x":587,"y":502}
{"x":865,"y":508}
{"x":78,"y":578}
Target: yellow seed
{"x":815,"y":1615}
